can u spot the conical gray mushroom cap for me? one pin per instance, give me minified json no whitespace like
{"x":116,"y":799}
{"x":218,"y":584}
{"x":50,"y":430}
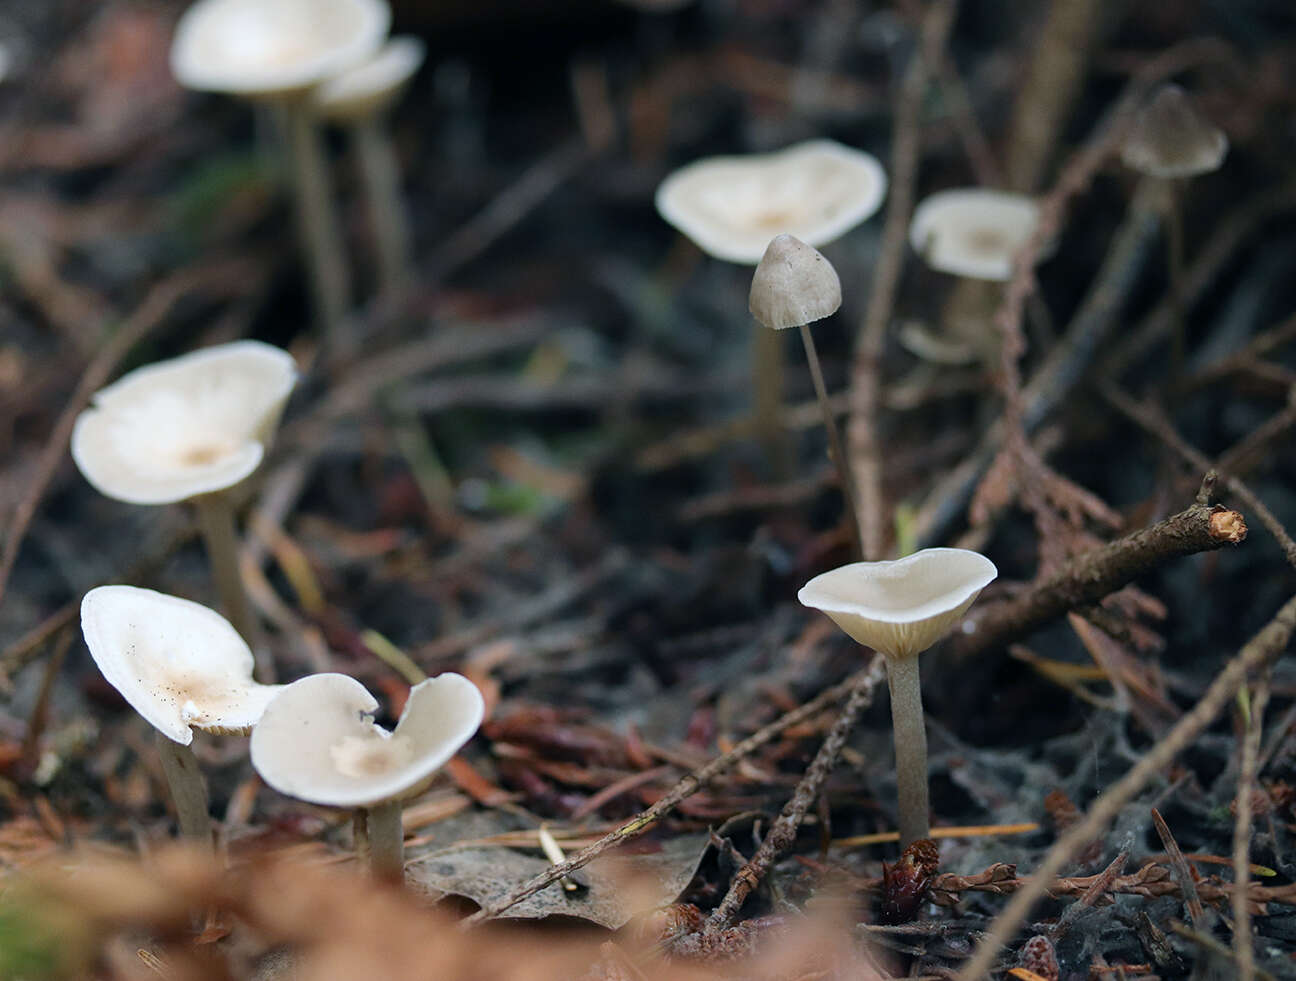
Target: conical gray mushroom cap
{"x":793,"y":285}
{"x":1170,"y":138}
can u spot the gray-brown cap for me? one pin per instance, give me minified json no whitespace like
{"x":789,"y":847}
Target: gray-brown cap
{"x":1170,"y":138}
{"x":793,"y":285}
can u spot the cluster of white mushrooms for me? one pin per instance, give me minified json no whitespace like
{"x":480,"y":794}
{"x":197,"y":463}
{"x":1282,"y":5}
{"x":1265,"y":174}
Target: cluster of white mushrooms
{"x":194,"y":429}
{"x":307,"y":62}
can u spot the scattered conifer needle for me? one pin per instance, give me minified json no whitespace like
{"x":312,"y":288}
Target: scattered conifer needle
{"x":1025,"y":975}
{"x":1260,"y":870}
{"x":393,"y":656}
{"x":969,"y":831}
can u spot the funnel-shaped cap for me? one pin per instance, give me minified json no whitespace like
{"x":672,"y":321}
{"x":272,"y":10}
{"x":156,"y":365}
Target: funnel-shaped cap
{"x":269,"y":47}
{"x":732,"y":206}
{"x":902,"y":607}
{"x":317,"y":741}
{"x":973,"y":232}
{"x":193,"y":425}
{"x":372,"y":86}
{"x":178,"y":663}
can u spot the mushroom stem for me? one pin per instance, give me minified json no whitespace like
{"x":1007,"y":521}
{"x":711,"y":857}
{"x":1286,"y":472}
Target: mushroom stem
{"x":317,"y":224}
{"x":216,"y":521}
{"x":380,"y":840}
{"x":834,"y":437}
{"x":910,"y":747}
{"x":1175,"y":273}
{"x":767,"y":378}
{"x":187,"y":790}
{"x":381,"y":172}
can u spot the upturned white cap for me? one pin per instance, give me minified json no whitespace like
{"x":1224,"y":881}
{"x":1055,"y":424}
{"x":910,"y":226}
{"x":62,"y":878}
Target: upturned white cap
{"x":793,"y":285}
{"x":192,"y":425}
{"x":902,"y":607}
{"x":316,"y":742}
{"x":269,"y":47}
{"x":973,"y":232}
{"x":177,"y":663}
{"x":1170,"y":138}
{"x":732,"y":206}
{"x":373,"y":85}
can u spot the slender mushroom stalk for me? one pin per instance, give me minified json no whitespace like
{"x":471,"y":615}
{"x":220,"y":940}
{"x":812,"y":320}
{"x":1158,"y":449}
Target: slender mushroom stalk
{"x":317,"y":222}
{"x":794,"y":286}
{"x":1170,"y":142}
{"x":379,"y":839}
{"x":188,"y":792}
{"x":215,"y":513}
{"x":901,"y":608}
{"x":909,"y":735}
{"x":276,"y":51}
{"x":730,"y":206}
{"x":361,"y":99}
{"x":317,"y":742}
{"x":182,"y":667}
{"x":191,"y":429}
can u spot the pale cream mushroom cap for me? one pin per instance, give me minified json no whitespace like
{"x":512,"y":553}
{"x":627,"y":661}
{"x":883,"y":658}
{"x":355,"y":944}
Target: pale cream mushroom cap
{"x":1170,"y":138}
{"x":904,"y":606}
{"x":317,"y":743}
{"x":177,"y":663}
{"x":973,"y":232}
{"x":732,"y":206}
{"x":192,"y":425}
{"x":373,"y":85}
{"x":269,"y":47}
{"x":793,"y":285}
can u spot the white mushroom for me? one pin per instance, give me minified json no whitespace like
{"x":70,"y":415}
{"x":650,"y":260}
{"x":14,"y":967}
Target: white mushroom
{"x":974,"y":232}
{"x":360,"y":99}
{"x":1171,"y":139}
{"x":182,"y":667}
{"x":317,"y":742}
{"x":900,"y":609}
{"x":1169,"y":143}
{"x":732,"y":206}
{"x":189,"y":429}
{"x":794,"y":286}
{"x":193,"y":425}
{"x":277,"y":50}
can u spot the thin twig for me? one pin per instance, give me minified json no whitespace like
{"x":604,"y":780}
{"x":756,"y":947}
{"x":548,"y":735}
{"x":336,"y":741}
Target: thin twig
{"x":783,"y":833}
{"x":1258,"y":652}
{"x":1152,"y":420}
{"x":1243,"y":946}
{"x":688,"y":786}
{"x":866,"y":368}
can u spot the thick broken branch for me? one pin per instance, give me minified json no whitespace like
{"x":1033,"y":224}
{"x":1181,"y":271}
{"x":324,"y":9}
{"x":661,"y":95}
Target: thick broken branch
{"x":1089,"y":577}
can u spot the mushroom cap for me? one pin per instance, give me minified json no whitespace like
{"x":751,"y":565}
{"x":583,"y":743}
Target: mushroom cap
{"x":731,"y":206}
{"x":271,"y":47}
{"x":793,"y":285}
{"x":974,"y":231}
{"x":192,"y":425}
{"x":373,"y":85}
{"x":1170,"y":138}
{"x":315,"y":742}
{"x":902,"y":607}
{"x":177,"y":663}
